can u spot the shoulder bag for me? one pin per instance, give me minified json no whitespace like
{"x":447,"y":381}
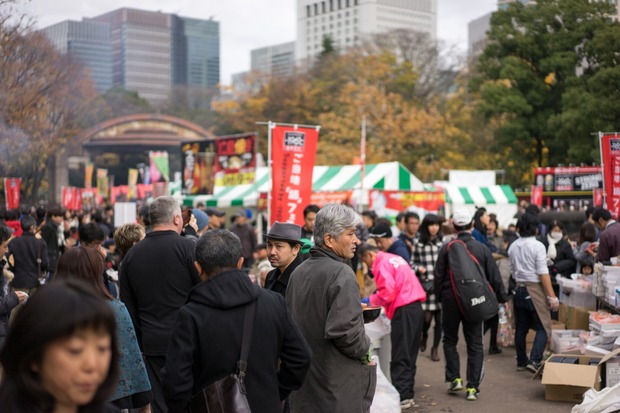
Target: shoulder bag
{"x":228,"y":395}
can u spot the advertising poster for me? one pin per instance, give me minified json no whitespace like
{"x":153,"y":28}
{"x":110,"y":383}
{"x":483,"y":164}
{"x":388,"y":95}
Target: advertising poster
{"x":390,"y":203}
{"x":293,"y":152}
{"x":88,"y":175}
{"x":536,"y":195}
{"x":198,"y":158}
{"x":610,"y":160}
{"x":102,"y":182}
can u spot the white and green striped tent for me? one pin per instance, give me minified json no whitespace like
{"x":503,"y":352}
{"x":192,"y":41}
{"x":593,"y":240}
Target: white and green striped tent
{"x":388,"y":176}
{"x":498,"y":199}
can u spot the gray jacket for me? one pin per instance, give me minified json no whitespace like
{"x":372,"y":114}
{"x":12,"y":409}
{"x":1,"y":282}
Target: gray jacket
{"x":323,"y":295}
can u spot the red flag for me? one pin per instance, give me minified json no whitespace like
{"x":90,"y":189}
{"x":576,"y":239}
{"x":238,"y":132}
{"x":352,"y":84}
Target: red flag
{"x":536,"y":195}
{"x":610,"y":154}
{"x":293,"y":154}
{"x":597,"y":197}
{"x":11,"y":192}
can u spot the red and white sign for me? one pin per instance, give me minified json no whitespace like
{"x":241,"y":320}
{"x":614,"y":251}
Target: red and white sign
{"x":293,"y":154}
{"x":536,"y":195}
{"x":12,"y":187}
{"x":610,"y":159}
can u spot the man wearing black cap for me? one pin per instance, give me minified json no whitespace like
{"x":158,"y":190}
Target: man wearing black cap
{"x":283,"y":246}
{"x":382,"y":234}
{"x":215,"y":218}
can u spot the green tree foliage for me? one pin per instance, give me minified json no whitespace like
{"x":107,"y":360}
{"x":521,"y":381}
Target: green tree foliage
{"x":540,"y":63}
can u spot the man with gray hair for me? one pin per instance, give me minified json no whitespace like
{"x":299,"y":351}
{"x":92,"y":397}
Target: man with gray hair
{"x":324,"y":297}
{"x":207,"y":335}
{"x":155,"y":279}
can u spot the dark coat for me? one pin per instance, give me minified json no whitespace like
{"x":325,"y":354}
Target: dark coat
{"x":399,"y":247}
{"x":564,"y":263}
{"x":609,"y":243}
{"x":443,"y":286}
{"x":156,"y":277}
{"x":278,"y":283}
{"x":49,"y":233}
{"x":206,"y":344}
{"x":8,"y":301}
{"x":323,"y":296}
{"x":26,"y":250}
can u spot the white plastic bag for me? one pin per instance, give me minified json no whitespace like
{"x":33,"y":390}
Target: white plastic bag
{"x":387,"y":399}
{"x":604,"y":401}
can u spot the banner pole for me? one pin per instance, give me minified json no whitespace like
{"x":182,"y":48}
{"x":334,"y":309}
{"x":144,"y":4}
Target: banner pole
{"x":363,"y":198}
{"x":270,"y":125}
{"x":600,"y":144}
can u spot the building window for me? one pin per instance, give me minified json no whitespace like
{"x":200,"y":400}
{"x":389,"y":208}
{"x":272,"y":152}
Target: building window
{"x":347,"y":14}
{"x":355,"y":2}
{"x":323,"y":7}
{"x":331,"y":5}
{"x":308,"y":11}
{"x":348,"y":3}
{"x":339,"y":4}
{"x":316,"y":9}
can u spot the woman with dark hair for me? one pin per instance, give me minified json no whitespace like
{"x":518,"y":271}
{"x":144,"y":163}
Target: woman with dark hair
{"x":60,"y":355}
{"x":587,"y":235}
{"x":134,"y":387}
{"x":560,"y":257}
{"x":424,"y":258}
{"x":481,"y":220}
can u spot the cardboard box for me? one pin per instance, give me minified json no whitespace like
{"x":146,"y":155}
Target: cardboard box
{"x":568,"y":382}
{"x":575,"y":318}
{"x":612,"y":372}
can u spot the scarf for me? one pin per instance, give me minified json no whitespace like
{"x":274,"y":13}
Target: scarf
{"x":552,"y":252}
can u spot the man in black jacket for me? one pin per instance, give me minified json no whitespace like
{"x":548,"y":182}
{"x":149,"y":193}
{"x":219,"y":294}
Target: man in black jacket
{"x":25,"y":253}
{"x":205,"y":344}
{"x":155,"y":278}
{"x":451,"y":315}
{"x":283,"y":247}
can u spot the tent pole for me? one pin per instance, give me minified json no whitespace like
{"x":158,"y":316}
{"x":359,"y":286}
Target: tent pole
{"x":362,"y":165}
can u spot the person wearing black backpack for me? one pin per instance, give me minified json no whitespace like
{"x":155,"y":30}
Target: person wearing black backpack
{"x":452,"y":307}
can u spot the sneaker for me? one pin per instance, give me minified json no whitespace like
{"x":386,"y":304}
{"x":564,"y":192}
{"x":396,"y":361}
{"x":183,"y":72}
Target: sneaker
{"x":521,"y":368}
{"x":533,"y":366}
{"x":406,"y":404}
{"x":456,"y":385}
{"x":472,"y":394}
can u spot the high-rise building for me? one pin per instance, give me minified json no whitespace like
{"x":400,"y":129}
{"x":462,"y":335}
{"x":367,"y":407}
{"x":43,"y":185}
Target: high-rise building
{"x":477,"y":34}
{"x":88,"y":42}
{"x":348,"y":21}
{"x":196,"y":49}
{"x":277,"y":60}
{"x":143,"y":51}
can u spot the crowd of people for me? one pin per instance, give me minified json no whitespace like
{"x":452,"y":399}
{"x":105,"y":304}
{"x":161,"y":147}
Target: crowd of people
{"x":145,"y":316}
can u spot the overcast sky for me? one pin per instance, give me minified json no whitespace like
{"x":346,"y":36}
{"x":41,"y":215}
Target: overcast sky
{"x":248,"y":24}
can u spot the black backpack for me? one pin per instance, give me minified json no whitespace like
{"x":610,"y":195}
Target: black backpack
{"x":475,"y":297}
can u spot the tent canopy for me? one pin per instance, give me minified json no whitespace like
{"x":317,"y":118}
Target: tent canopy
{"x":498,"y":199}
{"x":388,"y":176}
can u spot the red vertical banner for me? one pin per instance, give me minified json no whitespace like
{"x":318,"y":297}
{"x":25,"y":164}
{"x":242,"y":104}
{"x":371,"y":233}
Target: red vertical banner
{"x":293,"y":153}
{"x":597,"y":197}
{"x":610,"y":159}
{"x":12,"y":187}
{"x":536,"y":195}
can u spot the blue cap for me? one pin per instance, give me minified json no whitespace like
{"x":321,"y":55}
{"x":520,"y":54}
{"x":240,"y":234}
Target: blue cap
{"x":202,"y":219}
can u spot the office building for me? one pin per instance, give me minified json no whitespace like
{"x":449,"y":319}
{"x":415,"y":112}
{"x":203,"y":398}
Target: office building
{"x":196,"y":49}
{"x":347,"y":22}
{"x":88,"y":42}
{"x":277,"y":60}
{"x":143,"y":51}
{"x":477,"y":34}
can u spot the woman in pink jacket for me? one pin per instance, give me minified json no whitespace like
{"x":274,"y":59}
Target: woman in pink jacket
{"x":400,"y":292}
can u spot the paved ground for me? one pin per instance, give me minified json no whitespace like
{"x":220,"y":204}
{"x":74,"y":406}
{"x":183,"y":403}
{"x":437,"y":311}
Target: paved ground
{"x":503,"y":389}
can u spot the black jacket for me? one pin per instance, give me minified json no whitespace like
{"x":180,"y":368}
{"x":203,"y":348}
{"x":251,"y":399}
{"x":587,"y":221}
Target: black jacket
{"x":8,"y":301}
{"x":206,"y":344}
{"x":564,"y":263}
{"x":278,"y":283}
{"x":49,"y":233}
{"x":156,"y":277}
{"x":443,"y":286}
{"x":25,"y":250}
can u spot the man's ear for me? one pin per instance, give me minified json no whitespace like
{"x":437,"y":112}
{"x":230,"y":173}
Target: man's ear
{"x":240,"y":263}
